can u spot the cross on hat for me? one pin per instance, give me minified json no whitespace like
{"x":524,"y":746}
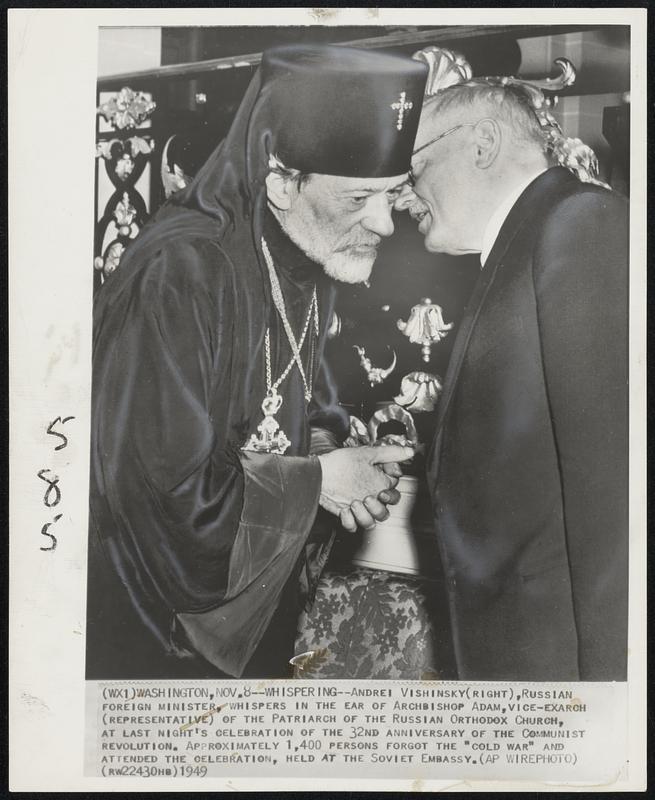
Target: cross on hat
{"x":401,"y":106}
{"x":327,"y":109}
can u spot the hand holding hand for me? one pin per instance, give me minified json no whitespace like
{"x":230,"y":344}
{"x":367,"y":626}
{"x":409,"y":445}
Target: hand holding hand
{"x":358,"y":483}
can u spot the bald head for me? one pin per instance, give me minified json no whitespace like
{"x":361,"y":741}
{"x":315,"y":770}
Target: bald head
{"x":467,"y":103}
{"x":475,"y":143}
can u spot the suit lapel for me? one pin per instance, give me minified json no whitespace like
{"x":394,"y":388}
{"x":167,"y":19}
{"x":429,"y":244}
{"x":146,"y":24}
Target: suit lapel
{"x":527,"y":206}
{"x":466,"y":327}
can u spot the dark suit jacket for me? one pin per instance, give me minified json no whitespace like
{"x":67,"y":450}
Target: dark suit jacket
{"x":528,"y":469}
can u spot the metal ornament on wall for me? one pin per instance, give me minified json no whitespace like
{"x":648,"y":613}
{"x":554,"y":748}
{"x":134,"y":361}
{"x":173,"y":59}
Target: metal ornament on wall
{"x":393,"y":413}
{"x":445,"y":68}
{"x":125,"y":154}
{"x":122,"y":153}
{"x":124,"y":213}
{"x":172,"y":179}
{"x":357,"y":433}
{"x":425,"y":326}
{"x":124,"y":216}
{"x":375,"y":375}
{"x":108,"y":263}
{"x":124,"y":159}
{"x":419,"y":392}
{"x":127,"y":109}
{"x":360,"y":434}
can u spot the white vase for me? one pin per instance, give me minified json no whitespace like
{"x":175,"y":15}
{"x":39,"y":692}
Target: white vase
{"x":406,"y":541}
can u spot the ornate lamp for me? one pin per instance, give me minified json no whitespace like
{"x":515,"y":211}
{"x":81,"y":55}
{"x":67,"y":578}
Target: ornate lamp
{"x":425,"y":326}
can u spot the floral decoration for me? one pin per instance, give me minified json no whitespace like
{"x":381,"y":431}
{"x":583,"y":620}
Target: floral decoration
{"x":124,"y":214}
{"x":370,"y":624}
{"x":446,"y":68}
{"x":137,"y":145}
{"x":124,"y":166}
{"x":127,"y":109}
{"x":112,"y":259}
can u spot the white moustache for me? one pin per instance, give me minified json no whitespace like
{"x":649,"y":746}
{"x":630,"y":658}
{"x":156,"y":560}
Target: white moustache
{"x":373,"y":243}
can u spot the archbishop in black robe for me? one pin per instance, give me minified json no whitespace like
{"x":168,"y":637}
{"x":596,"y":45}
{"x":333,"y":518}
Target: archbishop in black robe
{"x":202,"y":536}
{"x":202,"y":553}
{"x":185,"y":518}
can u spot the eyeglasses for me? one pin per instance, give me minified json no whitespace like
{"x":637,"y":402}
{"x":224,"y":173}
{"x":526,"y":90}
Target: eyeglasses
{"x":412,"y":176}
{"x":442,"y":135}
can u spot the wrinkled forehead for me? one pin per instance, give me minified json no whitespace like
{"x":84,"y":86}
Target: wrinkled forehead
{"x":338,"y":184}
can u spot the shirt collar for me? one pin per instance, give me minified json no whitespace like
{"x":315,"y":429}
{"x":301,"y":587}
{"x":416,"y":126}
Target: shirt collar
{"x":499,"y":216}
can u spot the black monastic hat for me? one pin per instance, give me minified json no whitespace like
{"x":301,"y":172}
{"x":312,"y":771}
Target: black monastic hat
{"x":341,"y":111}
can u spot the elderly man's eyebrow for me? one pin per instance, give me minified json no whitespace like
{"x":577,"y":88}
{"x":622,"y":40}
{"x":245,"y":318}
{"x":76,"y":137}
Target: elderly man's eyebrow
{"x":362,"y":190}
{"x":374,"y":189}
{"x":399,"y":185}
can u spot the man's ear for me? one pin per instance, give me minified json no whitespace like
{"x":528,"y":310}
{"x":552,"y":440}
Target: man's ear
{"x":278,"y":191}
{"x":488,"y":138}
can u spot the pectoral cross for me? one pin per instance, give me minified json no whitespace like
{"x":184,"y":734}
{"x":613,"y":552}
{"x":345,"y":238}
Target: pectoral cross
{"x":271,"y":439}
{"x":401,"y":106}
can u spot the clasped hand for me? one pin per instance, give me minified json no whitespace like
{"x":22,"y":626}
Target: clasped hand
{"x":358,"y":483}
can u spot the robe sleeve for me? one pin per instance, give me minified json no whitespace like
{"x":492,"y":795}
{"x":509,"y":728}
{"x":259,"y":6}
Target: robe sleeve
{"x":202,"y":530}
{"x":581,"y":280}
{"x":279,"y":507}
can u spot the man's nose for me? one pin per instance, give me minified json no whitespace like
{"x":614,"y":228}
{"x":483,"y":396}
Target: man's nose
{"x":378,"y":220}
{"x":405,"y":198}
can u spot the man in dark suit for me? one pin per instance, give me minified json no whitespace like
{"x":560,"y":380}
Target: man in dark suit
{"x":528,"y":468}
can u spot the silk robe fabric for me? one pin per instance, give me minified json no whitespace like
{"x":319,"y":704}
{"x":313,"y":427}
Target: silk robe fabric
{"x":528,"y":469}
{"x":194,"y":543}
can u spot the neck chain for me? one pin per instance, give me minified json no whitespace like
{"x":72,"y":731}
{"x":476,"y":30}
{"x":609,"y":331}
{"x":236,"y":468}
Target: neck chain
{"x":271,"y":439}
{"x":278,"y":301}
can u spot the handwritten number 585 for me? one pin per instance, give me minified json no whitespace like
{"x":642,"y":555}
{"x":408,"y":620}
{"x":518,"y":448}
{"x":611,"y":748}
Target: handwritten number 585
{"x":52,"y":496}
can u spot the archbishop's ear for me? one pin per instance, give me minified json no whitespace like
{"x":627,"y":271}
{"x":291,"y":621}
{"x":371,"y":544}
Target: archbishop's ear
{"x":279,"y":190}
{"x":488,"y":138}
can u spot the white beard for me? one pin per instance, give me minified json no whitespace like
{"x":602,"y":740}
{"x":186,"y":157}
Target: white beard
{"x":349,"y":269}
{"x":340,"y":266}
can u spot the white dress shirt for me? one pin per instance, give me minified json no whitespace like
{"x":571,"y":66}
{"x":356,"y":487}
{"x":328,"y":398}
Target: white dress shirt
{"x":501,"y":213}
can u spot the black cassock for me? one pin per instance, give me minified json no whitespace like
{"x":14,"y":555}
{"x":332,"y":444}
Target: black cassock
{"x":200,"y":553}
